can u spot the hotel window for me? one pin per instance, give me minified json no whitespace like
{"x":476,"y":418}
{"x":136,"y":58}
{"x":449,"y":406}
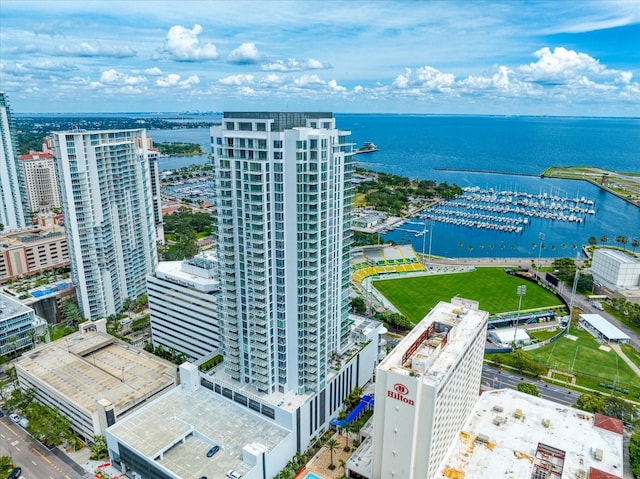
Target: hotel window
{"x":261,"y":126}
{"x":277,"y":143}
{"x":229,"y":125}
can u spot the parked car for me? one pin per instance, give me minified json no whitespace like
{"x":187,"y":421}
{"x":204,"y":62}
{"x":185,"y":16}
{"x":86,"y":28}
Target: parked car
{"x":14,"y":417}
{"x":233,"y":475}
{"x":15,"y":473}
{"x":212,"y":451}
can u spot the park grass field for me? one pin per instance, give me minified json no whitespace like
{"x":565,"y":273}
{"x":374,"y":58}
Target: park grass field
{"x":583,"y":357}
{"x":494,"y":289}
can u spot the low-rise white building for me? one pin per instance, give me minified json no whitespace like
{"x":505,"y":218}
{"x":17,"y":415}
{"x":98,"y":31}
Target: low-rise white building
{"x":602,"y":329}
{"x":183,"y":304}
{"x":507,"y":336}
{"x":512,"y":434}
{"x":615,"y":270}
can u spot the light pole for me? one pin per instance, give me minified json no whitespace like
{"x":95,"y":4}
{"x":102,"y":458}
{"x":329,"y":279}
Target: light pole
{"x":520,"y":291}
{"x":541,"y":237}
{"x":424,"y":236}
{"x":430,"y":238}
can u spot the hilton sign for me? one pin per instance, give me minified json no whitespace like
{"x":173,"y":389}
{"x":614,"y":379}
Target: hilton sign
{"x":399,"y":392}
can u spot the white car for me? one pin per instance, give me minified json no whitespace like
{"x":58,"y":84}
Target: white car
{"x":14,"y":417}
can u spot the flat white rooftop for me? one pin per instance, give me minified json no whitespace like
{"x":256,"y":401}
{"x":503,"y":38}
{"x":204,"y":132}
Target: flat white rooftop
{"x":618,"y":256}
{"x":607,"y":329}
{"x":502,"y":435}
{"x":10,"y":307}
{"x":424,"y":350}
{"x":85,"y":368}
{"x":203,"y":419}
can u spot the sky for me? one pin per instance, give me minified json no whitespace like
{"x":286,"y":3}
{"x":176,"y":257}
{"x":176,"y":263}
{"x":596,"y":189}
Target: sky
{"x":571,"y":57}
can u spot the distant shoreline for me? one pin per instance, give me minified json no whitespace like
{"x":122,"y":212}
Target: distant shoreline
{"x":491,"y":172}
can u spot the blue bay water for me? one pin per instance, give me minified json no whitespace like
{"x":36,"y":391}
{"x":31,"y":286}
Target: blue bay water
{"x":460,"y":149}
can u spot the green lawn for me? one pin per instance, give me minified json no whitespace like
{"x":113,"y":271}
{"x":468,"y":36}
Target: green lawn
{"x":492,"y":287}
{"x":584,"y":358}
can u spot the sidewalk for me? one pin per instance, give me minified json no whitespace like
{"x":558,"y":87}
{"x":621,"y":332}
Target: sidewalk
{"x":631,"y":364}
{"x":81,"y":457}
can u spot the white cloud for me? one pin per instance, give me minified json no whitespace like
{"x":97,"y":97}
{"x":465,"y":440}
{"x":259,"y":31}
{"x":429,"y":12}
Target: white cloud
{"x":183,"y":44}
{"x":86,"y":49}
{"x":247,"y":91}
{"x":293,"y":65}
{"x":236,"y":79}
{"x":153,"y":71}
{"x":567,"y":66}
{"x":308,"y":80}
{"x":175,"y":80}
{"x":50,"y":65}
{"x":333,"y":85}
{"x":272,"y":79}
{"x":246,"y":53}
{"x":426,"y":78}
{"x":113,"y":76}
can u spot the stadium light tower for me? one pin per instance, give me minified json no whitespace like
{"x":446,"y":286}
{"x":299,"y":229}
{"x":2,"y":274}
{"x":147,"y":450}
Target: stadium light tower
{"x":520,"y":291}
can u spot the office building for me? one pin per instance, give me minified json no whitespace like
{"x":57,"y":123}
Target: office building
{"x":282,"y":212}
{"x":615,"y":270}
{"x":183,"y":297}
{"x":107,"y":200}
{"x":92,"y":378}
{"x":425,"y":389}
{"x":12,"y":196}
{"x":40,"y":181}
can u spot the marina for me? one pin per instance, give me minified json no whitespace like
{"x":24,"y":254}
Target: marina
{"x":507,"y":211}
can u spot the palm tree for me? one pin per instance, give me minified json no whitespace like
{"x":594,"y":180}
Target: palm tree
{"x":331,"y":444}
{"x":624,"y":240}
{"x":460,"y":244}
{"x":635,"y":243}
{"x":563,"y":245}
{"x":604,"y":239}
{"x":592,"y":241}
{"x":343,"y":464}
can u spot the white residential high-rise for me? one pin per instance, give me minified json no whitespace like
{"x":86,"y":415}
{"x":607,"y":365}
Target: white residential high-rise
{"x":425,"y":389}
{"x":40,"y":181}
{"x":283,"y":185}
{"x":106,"y":194}
{"x":183,"y":298}
{"x":12,"y":197}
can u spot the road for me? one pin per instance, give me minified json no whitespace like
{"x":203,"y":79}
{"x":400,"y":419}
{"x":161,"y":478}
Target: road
{"x":36,"y":461}
{"x":494,"y":378}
